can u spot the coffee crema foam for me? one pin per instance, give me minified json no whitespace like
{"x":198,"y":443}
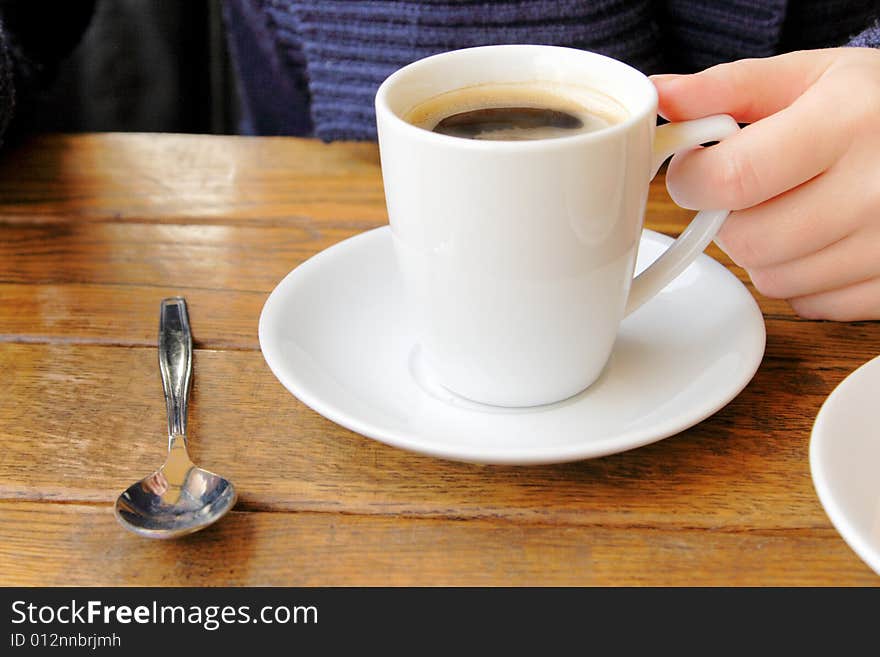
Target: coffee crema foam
{"x":517,"y":111}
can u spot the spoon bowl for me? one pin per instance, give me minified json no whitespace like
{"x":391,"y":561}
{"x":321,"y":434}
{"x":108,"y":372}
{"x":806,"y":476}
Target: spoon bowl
{"x":180,"y":497}
{"x":164,"y":506}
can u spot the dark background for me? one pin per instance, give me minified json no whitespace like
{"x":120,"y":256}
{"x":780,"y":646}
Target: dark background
{"x":144,"y":65}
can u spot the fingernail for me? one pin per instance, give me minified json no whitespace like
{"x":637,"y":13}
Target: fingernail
{"x":664,"y":78}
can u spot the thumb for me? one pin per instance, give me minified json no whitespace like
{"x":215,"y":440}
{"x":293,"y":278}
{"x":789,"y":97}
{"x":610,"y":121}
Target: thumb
{"x":748,"y":89}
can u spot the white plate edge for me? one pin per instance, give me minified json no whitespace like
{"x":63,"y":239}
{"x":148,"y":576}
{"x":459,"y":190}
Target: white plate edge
{"x":521,"y":456}
{"x":821,"y":480}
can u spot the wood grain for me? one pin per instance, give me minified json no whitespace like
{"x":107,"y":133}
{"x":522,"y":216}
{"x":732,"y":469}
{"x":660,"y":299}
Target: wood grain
{"x":124,"y":315}
{"x":194,"y":179}
{"x":81,"y":422}
{"x":101,"y":282}
{"x":47,"y":544}
{"x":96,"y":229}
{"x":189,"y":179}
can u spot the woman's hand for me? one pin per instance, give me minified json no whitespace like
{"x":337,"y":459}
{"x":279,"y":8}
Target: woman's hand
{"x":803,"y":179}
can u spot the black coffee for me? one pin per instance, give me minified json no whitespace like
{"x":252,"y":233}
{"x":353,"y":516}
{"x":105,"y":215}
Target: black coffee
{"x":516,"y":112}
{"x":510,"y":123}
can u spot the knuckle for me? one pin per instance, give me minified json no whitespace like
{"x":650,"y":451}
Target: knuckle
{"x":870,"y":102}
{"x":770,"y":283}
{"x":741,"y":245}
{"x":736,"y":180}
{"x":861,"y":108}
{"x":736,"y":73}
{"x":738,"y":76}
{"x":806,"y":309}
{"x":813,"y":309}
{"x":860,"y":57}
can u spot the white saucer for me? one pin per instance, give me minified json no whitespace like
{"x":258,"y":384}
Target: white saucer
{"x":845,"y":460}
{"x":336,"y":334}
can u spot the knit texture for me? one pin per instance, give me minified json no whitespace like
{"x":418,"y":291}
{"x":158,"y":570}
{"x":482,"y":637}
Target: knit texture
{"x":870,"y":38}
{"x":351,"y":47}
{"x":313,"y":66}
{"x":346,"y":48}
{"x":271,"y":69}
{"x":702,"y":33}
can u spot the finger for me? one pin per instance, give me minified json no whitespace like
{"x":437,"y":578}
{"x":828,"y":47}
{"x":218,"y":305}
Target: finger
{"x":748,"y":89}
{"x":764,"y":159}
{"x":800,"y":221}
{"x":850,"y":304}
{"x":851,"y":260}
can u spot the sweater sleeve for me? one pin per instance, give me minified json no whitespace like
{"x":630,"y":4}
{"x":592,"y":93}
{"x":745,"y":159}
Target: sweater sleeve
{"x":870,"y":38}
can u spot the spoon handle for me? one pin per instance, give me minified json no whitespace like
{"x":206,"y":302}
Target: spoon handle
{"x":175,"y":361}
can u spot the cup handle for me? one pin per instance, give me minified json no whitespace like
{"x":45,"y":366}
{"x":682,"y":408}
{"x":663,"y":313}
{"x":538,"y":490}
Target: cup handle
{"x":668,"y":140}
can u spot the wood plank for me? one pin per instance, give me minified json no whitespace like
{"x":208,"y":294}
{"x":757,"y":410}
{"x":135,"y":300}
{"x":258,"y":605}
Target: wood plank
{"x":125,"y":315}
{"x":103,"y":282}
{"x":100,"y":282}
{"x":240,"y":258}
{"x":64,"y":545}
{"x":206,"y":256}
{"x":189,"y":179}
{"x":192,"y":179}
{"x":80,"y":423}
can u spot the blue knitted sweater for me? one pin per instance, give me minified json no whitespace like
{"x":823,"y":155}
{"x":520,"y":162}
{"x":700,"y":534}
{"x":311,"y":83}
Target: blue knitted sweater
{"x":312,"y":67}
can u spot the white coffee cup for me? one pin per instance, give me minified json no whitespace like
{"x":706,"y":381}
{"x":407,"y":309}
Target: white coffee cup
{"x":518,"y":256}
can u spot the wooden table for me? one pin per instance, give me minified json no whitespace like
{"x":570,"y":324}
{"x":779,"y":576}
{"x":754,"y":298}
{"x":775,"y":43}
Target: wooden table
{"x":96,"y":229}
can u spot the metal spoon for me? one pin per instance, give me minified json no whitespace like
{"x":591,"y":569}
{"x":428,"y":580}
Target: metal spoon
{"x":179,"y":498}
